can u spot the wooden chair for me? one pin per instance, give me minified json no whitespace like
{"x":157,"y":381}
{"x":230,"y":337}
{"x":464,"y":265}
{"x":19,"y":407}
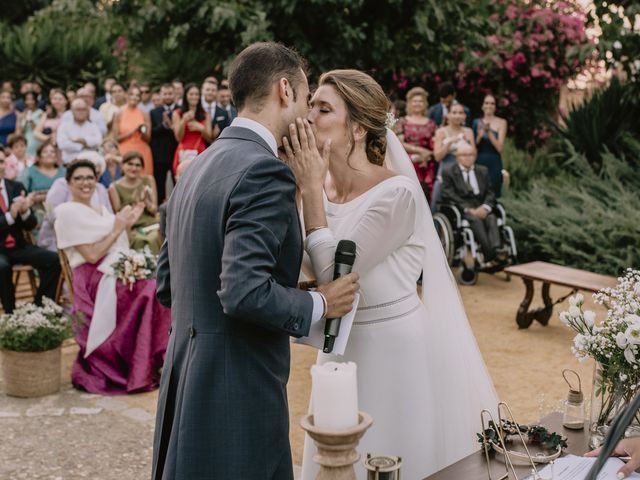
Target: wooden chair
{"x":19,"y":270}
{"x":66,"y":277}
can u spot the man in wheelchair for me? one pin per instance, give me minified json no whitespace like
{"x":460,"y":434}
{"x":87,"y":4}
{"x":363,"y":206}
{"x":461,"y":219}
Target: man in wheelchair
{"x":466,"y":186}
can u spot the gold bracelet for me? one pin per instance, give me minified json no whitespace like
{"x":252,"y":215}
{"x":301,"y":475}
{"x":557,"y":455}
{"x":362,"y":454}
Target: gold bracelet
{"x":314,"y":229}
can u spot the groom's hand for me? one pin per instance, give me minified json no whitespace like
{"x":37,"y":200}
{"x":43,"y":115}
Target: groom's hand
{"x":340,"y":294}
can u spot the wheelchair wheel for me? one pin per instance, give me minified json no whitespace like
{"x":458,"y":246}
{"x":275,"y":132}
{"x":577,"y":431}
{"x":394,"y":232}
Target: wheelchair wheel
{"x":467,"y":276}
{"x":445,"y":233}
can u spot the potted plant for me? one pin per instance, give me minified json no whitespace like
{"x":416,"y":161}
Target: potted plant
{"x":614,"y":343}
{"x":30,"y":348}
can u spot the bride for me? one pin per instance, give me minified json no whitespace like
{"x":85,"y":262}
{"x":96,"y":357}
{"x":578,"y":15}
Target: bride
{"x":420,"y":372}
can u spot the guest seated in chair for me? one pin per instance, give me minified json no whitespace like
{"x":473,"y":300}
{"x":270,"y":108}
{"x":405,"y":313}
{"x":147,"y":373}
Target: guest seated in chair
{"x":133,"y":189}
{"x":16,"y":218}
{"x":124,"y":338}
{"x":466,"y":185}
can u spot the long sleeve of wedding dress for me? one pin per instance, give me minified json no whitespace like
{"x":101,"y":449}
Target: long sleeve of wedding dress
{"x":386,"y":224}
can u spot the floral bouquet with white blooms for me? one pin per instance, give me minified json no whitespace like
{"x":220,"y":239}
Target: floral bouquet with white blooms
{"x":134,"y":265}
{"x":31,"y":328}
{"x":614,"y":343}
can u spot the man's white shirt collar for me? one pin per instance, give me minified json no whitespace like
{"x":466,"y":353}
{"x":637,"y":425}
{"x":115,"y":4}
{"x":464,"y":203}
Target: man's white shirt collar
{"x":258,"y":128}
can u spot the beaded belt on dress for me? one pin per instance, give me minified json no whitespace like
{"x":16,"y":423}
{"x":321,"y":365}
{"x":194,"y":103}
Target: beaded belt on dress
{"x":388,"y":310}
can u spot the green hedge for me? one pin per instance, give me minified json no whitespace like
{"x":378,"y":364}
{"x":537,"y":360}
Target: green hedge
{"x":578,"y":217}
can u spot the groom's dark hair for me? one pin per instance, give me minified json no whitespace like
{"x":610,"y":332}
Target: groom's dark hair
{"x":257,"y":67}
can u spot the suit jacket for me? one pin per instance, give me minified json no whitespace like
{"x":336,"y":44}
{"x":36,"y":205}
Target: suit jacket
{"x":99,"y":102}
{"x":435,"y":114}
{"x":18,"y":228}
{"x":221,"y":118}
{"x":228,"y":269}
{"x":163,"y":141}
{"x":456,"y":191}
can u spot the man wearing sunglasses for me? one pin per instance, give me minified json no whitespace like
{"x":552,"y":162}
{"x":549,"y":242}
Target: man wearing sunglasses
{"x":146,"y":104}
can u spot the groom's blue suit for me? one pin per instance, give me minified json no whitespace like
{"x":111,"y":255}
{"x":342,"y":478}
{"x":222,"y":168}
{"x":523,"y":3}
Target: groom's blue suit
{"x":228,"y":270}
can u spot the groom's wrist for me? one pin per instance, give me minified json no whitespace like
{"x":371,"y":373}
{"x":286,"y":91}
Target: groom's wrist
{"x":320,"y":306}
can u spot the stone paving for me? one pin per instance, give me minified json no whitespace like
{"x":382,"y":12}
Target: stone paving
{"x":74,"y":435}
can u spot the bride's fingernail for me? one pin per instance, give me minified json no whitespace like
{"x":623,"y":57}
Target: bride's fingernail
{"x":621,"y":476}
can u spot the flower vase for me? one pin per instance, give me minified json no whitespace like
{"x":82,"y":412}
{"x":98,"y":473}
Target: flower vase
{"x":609,"y":395}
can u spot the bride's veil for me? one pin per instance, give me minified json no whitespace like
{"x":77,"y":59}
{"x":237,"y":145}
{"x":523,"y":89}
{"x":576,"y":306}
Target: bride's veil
{"x":462,"y":383}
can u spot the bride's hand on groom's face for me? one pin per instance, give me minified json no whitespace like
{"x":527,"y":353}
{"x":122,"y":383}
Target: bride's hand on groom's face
{"x":304,"y":157}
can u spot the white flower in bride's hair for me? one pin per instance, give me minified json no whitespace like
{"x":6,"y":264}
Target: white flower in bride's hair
{"x":391,"y":120}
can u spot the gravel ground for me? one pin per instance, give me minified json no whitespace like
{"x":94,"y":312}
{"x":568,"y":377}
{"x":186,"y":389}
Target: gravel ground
{"x":73,"y":435}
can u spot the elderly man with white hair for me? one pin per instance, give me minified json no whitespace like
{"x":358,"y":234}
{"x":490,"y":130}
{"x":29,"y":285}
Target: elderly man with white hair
{"x":467,"y":186}
{"x":79,"y":134}
{"x":94,"y":115}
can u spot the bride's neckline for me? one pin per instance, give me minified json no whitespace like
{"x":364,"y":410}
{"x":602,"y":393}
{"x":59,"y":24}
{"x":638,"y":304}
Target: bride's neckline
{"x":363,"y":194}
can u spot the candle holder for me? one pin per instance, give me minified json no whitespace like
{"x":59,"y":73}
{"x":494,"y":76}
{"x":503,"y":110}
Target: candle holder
{"x":382,"y":467}
{"x":337,"y":448}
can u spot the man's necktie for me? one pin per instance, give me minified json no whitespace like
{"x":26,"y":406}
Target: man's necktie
{"x":9,"y":241}
{"x":467,"y":178}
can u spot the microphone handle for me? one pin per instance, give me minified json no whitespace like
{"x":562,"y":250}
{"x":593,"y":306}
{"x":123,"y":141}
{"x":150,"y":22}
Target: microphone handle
{"x":332,"y":325}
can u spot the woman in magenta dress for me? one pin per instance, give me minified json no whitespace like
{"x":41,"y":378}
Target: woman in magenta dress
{"x":191,"y":126}
{"x":125,"y":332}
{"x":416,"y":132}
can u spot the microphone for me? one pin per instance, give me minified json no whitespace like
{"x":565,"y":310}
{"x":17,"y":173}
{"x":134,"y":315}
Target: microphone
{"x":345,"y":256}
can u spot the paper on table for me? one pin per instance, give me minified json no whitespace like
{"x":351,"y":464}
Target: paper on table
{"x":573,"y":467}
{"x":316,"y":332}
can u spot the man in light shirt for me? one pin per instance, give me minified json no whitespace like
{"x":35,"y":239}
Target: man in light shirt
{"x":94,"y":115}
{"x":79,"y":134}
{"x":146,"y":104}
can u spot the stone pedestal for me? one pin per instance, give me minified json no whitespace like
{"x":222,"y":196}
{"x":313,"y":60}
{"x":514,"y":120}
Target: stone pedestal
{"x":337,"y":449}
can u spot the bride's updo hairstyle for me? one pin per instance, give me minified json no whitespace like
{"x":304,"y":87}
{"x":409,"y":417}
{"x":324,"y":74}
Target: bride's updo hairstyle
{"x":367,"y":106}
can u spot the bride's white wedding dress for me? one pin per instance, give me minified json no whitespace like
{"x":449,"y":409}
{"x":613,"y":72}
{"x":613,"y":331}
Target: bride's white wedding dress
{"x":420,"y":372}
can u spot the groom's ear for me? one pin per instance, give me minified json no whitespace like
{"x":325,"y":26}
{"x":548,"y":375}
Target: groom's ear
{"x":285,"y":92}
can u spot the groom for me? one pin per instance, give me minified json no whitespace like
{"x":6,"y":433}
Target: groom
{"x":228,"y":270}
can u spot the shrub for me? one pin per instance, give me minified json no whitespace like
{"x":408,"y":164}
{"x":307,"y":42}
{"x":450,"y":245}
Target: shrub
{"x":608,"y":121}
{"x":580,"y":218}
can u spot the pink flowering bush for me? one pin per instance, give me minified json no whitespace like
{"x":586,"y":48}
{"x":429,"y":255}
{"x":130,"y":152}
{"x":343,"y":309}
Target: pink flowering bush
{"x":528,"y":51}
{"x":532,"y":50}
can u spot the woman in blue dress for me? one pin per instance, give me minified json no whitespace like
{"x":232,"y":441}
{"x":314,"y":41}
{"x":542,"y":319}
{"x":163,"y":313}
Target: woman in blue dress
{"x":489,"y":133}
{"x":8,"y":116}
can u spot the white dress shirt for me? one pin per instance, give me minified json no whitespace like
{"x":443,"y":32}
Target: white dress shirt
{"x":469,"y":176}
{"x":94,"y":117}
{"x":267,"y":136}
{"x":7,"y":215}
{"x":209,"y":107}
{"x":70,"y":130}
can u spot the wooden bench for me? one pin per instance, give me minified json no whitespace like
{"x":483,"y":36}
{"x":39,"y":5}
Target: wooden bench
{"x":548,"y":274}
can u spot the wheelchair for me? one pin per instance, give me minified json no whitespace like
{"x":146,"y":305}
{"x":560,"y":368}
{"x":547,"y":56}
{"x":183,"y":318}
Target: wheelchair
{"x":461,"y":248}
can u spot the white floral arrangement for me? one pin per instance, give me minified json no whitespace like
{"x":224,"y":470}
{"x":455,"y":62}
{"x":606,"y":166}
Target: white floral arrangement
{"x":134,"y":265}
{"x":33,"y":328}
{"x":615,"y":341}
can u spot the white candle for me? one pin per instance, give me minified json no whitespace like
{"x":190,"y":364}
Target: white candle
{"x":335,"y":395}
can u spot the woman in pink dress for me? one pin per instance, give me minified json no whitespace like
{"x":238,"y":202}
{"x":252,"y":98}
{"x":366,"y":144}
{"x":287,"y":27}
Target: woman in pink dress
{"x":191,"y":126}
{"x":416,"y":132}
{"x":131,"y":127}
{"x":124,"y":334}
{"x":47,"y":127}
